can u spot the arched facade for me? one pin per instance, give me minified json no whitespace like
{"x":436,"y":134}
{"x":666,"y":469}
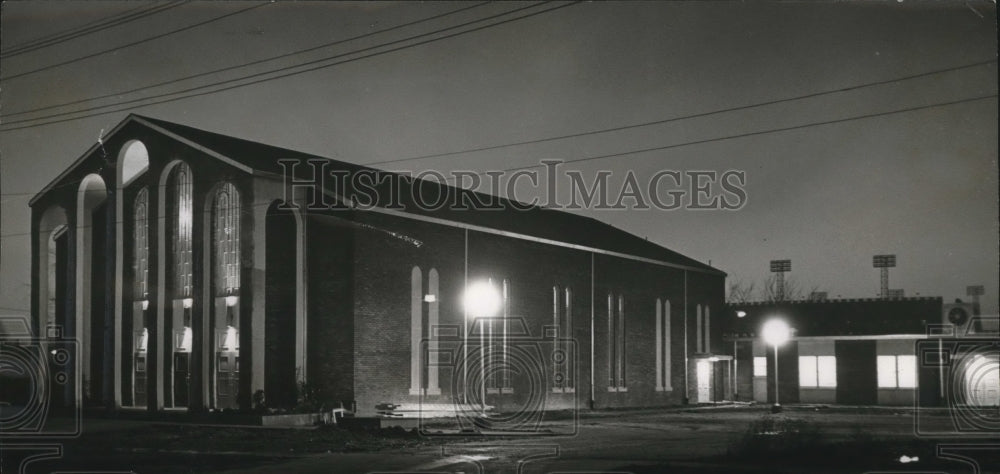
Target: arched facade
{"x":212,"y":285}
{"x":177,"y":186}
{"x":51,"y":241}
{"x":133,"y":261}
{"x":225,"y":290}
{"x":91,"y":326}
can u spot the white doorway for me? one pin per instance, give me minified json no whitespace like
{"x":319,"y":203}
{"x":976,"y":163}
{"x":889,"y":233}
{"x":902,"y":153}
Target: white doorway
{"x":704,"y":381}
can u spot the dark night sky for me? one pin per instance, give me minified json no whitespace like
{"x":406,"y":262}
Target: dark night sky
{"x":922,"y":184}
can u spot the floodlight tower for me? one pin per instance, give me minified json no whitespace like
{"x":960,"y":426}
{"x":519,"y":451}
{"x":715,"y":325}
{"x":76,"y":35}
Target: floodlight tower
{"x":884,"y":262}
{"x":780,"y":267}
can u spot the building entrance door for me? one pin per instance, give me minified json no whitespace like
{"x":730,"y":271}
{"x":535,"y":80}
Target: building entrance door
{"x":704,"y":381}
{"x":227,"y":378}
{"x":182,"y":378}
{"x":139,"y":378}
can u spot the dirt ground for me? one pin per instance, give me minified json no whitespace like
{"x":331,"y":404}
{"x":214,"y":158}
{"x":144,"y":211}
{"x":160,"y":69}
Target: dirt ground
{"x":704,"y":439}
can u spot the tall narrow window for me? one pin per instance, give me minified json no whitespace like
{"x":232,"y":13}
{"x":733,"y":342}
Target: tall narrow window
{"x":506,"y":382}
{"x":707,"y":344}
{"x":227,"y":240}
{"x":182,"y":220}
{"x":423,"y":340}
{"x":663,"y":372}
{"x":562,"y":343}
{"x":416,"y":330}
{"x":697,"y":329}
{"x":140,"y":241}
{"x":616,"y":343}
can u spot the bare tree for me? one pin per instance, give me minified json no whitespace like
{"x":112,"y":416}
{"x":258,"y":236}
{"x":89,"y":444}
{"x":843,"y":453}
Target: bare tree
{"x":770,"y":292}
{"x":740,"y":292}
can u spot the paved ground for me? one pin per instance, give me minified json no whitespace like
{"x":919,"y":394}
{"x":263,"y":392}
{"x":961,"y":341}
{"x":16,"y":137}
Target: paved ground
{"x":700,"y":440}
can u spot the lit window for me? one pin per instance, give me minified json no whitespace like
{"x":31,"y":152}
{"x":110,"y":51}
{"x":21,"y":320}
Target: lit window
{"x":140,"y":253}
{"x":760,"y":366}
{"x":826,"y":368}
{"x":906,"y":371}
{"x":562,"y":319}
{"x":182,"y":219}
{"x":886,"y":371}
{"x":227,"y":240}
{"x":897,"y":371}
{"x":817,"y":371}
{"x":807,"y":371}
{"x":616,"y":342}
{"x":662,"y":345}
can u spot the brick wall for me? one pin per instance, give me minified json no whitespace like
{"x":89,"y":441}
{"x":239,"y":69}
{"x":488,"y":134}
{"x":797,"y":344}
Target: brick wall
{"x":385,"y":250}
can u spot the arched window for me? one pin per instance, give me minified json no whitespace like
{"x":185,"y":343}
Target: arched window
{"x":423,"y":341}
{"x":182,"y":220}
{"x":226,"y":214}
{"x":140,"y":255}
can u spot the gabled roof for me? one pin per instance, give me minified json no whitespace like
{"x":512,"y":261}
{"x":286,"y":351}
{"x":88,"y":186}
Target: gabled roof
{"x":537,"y":222}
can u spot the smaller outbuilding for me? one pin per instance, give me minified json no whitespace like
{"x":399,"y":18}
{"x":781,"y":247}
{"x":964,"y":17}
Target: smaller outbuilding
{"x":914,"y":351}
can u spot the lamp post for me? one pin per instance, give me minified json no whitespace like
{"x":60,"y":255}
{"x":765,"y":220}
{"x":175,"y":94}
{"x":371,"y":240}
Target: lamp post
{"x":481,"y":300}
{"x":776,"y":333}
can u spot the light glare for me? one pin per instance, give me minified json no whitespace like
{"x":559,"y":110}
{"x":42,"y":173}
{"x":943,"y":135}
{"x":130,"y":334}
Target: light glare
{"x":775,"y":332}
{"x":482,"y":300}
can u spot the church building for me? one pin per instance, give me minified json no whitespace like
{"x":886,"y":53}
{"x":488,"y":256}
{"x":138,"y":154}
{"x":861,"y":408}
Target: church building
{"x":197,"y":271}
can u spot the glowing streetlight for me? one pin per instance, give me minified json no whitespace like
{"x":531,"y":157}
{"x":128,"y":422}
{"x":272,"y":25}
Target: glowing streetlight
{"x":482,"y":300}
{"x":775,"y":333}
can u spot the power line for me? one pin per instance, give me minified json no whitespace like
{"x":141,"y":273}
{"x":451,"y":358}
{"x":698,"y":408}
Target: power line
{"x":668,"y":120}
{"x":294,"y":73}
{"x":238,"y":66}
{"x":146,"y":40}
{"x":49,"y":37}
{"x":664,"y":121}
{"x":87,"y":29}
{"x":687,"y":117}
{"x":757,"y":133}
{"x":704,"y":141}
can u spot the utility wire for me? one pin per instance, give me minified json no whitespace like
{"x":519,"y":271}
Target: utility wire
{"x":238,"y":66}
{"x":664,"y":121}
{"x":688,"y":117}
{"x":757,"y":133}
{"x":294,"y":73}
{"x":86,"y":29}
{"x":715,"y":139}
{"x":134,"y":43}
{"x":53,"y":36}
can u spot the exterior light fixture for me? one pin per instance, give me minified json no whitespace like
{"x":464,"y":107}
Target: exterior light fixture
{"x":776,"y":332}
{"x":430,"y":298}
{"x":187,"y":302}
{"x":741,"y":314}
{"x":231,"y":340}
{"x":482,"y":300}
{"x":231,"y":301}
{"x":145,"y":305}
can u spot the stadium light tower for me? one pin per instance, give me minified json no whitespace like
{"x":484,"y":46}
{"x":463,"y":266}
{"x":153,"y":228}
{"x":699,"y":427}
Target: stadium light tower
{"x":884,"y":262}
{"x":780,"y":267}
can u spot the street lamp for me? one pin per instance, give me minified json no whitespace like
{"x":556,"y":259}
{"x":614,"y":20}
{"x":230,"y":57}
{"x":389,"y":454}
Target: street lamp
{"x":481,"y":301}
{"x":776,"y":333}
